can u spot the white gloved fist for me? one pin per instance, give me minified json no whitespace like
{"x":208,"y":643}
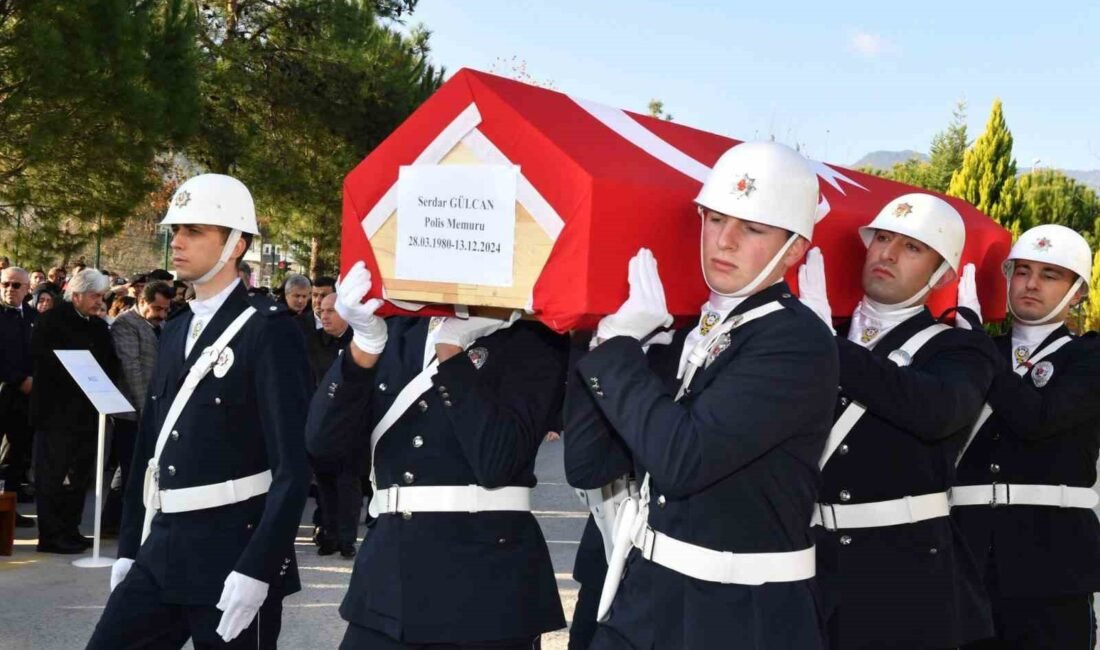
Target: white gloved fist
{"x":119,"y":569}
{"x":811,"y":286}
{"x":968,"y":295}
{"x":464,"y":331}
{"x":241,"y":600}
{"x":645,"y":310}
{"x":368,"y":331}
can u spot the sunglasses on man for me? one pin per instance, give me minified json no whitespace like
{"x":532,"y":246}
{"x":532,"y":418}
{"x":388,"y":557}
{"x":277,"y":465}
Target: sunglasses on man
{"x":13,"y":285}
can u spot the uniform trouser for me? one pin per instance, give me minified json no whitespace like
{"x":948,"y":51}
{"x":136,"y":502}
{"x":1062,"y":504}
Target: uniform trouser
{"x":17,"y":436}
{"x":136,"y":617}
{"x":1062,"y":622}
{"x":583,"y":626}
{"x":341,"y":499}
{"x":364,"y":638}
{"x":61,"y":453}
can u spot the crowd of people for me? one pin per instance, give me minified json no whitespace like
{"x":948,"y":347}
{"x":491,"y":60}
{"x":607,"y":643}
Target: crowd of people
{"x":768,"y":476}
{"x":48,"y":435}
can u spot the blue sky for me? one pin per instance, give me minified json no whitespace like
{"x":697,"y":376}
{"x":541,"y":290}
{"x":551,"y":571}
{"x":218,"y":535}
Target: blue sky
{"x":841,"y":79}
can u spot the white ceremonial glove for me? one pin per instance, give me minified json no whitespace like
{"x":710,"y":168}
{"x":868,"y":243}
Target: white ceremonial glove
{"x":240,"y":601}
{"x":968,"y":295}
{"x":811,"y":286}
{"x":464,"y":331}
{"x":644,"y":310}
{"x":119,"y":569}
{"x":368,"y":331}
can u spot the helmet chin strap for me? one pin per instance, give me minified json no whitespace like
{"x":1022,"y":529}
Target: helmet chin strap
{"x":751,"y":287}
{"x":227,"y":250}
{"x":1054,"y":312}
{"x":918,"y":296}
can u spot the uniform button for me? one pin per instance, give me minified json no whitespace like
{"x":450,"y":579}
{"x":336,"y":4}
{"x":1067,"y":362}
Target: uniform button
{"x":786,"y":295}
{"x":446,"y":396}
{"x":845,"y":495}
{"x":418,"y":442}
{"x":501,"y":540}
{"x":845,"y":540}
{"x":995,"y":468}
{"x":933,"y":550}
{"x":661,"y":501}
{"x":217,"y":400}
{"x":249,"y":526}
{"x":175,"y":435}
{"x":844,"y":401}
{"x":446,"y":402}
{"x":154,"y":398}
{"x":382,"y":387}
{"x":842,"y":450}
{"x":423,"y":405}
{"x":406,"y":515}
{"x":996,"y":436}
{"x":272,"y":308}
{"x":408,"y":477}
{"x":442,"y":389}
{"x":171,"y":470}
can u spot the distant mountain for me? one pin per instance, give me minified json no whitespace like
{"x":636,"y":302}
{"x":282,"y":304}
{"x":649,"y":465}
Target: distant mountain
{"x":885,"y":160}
{"x":1090,"y":177}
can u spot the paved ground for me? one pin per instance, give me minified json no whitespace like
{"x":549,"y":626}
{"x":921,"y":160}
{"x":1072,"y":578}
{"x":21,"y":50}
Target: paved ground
{"x":48,"y":604}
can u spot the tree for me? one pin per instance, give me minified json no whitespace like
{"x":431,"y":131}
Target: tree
{"x":1092,"y":307}
{"x":89,"y":93}
{"x":656,"y":108}
{"x":948,"y":151}
{"x":1049,"y":196}
{"x":295,"y":94}
{"x":987,"y":178}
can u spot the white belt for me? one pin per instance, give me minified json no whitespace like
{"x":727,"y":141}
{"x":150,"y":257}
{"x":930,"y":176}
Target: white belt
{"x":452,"y":498}
{"x":215,"y":495}
{"x":906,"y":510}
{"x":725,"y":567}
{"x":1012,"y":494}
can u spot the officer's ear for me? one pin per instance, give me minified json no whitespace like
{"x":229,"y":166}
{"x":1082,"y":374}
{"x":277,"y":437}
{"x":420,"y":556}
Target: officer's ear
{"x":796,"y":252}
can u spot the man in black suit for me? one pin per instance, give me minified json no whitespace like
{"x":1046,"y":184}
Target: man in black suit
{"x":16,"y":320}
{"x":65,"y":421}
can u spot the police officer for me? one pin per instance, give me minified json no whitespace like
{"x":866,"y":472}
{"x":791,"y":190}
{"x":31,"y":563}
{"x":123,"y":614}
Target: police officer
{"x":206,"y":549}
{"x":892,"y":566}
{"x":451,"y":416}
{"x":1024,"y":494}
{"x":724,"y":426}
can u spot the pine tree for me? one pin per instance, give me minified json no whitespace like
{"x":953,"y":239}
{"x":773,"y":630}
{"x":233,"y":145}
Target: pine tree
{"x":948,"y":151}
{"x":987,"y":178}
{"x":1092,"y":307}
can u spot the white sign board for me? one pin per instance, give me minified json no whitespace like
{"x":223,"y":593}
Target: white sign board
{"x":456,"y":223}
{"x":95,"y":383}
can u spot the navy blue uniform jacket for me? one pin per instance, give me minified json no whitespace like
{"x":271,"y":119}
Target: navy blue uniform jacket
{"x":917,"y":582}
{"x":1039,"y":435}
{"x":234,"y":426}
{"x":451,"y":577}
{"x":733,"y":467}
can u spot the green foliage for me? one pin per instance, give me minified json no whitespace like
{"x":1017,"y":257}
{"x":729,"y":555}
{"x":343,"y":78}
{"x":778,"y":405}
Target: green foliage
{"x":89,"y":93}
{"x":656,"y":108}
{"x":295,"y":94}
{"x":1049,"y":196}
{"x":945,"y":157}
{"x":1091,"y":309}
{"x":987,"y":178}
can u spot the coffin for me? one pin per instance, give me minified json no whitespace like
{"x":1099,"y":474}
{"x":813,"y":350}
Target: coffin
{"x":587,"y":185}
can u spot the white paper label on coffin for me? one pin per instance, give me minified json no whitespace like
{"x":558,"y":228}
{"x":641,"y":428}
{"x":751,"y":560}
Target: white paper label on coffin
{"x":456,"y":223}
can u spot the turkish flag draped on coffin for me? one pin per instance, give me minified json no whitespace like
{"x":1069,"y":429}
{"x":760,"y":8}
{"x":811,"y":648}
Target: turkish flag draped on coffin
{"x":595,"y":183}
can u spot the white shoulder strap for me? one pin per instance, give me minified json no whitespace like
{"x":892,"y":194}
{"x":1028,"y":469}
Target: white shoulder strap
{"x":902,"y":357}
{"x":198,"y":370}
{"x":698,"y":356}
{"x":1020,"y":369}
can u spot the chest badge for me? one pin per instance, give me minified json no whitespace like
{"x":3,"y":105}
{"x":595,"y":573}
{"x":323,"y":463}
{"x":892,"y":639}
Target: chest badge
{"x":719,"y":347}
{"x":709,"y":320}
{"x":196,"y":328}
{"x":478,"y":356}
{"x":868,"y":334}
{"x":1042,"y":373}
{"x":1021,"y":354}
{"x":224,"y":363}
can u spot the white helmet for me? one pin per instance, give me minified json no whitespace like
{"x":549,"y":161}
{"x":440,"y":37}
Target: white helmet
{"x":928,"y":219}
{"x":214,"y":200}
{"x":765,"y":182}
{"x":1052,"y":244}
